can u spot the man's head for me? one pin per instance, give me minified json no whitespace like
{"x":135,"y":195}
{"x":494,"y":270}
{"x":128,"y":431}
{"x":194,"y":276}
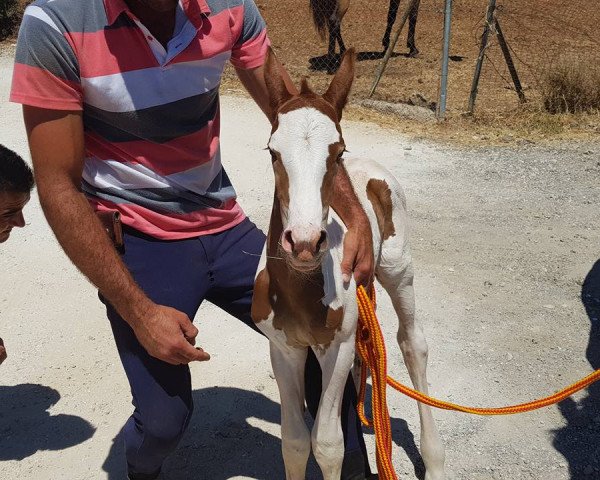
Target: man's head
{"x":16,"y":183}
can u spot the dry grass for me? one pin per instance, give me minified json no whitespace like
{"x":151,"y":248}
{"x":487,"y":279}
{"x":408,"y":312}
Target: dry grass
{"x":487,"y":129}
{"x":537,"y":31}
{"x":572,"y":86}
{"x":10,"y":16}
{"x":528,"y":124}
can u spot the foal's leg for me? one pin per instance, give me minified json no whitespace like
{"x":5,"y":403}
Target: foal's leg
{"x":391,"y":18}
{"x":288,"y":367}
{"x":327,"y":436}
{"x":395,"y":273}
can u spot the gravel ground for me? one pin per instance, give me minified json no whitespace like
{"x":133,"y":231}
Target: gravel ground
{"x":506,"y":247}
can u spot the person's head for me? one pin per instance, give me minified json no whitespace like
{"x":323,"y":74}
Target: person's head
{"x":16,"y":183}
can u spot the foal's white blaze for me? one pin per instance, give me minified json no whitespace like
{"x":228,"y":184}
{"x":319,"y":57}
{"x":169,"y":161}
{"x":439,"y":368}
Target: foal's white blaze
{"x":302,"y":139}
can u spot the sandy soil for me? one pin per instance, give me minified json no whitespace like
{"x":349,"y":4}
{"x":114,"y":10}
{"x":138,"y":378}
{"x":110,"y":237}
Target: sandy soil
{"x":506,"y":247}
{"x":540,"y":34}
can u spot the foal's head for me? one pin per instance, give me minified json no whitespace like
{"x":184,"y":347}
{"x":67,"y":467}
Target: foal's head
{"x":306,"y":148}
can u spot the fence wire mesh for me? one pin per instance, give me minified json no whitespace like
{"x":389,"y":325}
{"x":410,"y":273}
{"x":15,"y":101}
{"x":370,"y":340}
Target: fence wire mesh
{"x":304,"y":52}
{"x":548,"y":41}
{"x":541,"y":35}
{"x":554,"y":46}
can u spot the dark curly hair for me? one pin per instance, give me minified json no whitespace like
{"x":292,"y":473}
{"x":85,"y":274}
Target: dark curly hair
{"x":15,"y":174}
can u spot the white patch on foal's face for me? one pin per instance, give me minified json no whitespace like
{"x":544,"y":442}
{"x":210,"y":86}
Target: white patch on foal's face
{"x":302,"y":140}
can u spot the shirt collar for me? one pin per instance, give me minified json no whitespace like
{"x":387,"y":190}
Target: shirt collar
{"x":114,"y":8}
{"x":194,"y":9}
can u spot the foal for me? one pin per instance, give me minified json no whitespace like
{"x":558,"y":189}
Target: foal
{"x":300,"y":300}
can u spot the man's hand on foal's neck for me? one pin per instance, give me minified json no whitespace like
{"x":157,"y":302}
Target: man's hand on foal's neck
{"x":358,"y":242}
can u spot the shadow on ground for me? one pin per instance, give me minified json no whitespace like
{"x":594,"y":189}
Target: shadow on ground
{"x":221,"y":443}
{"x":402,"y":437}
{"x":579,"y":440}
{"x":27,"y":427}
{"x":330,"y":63}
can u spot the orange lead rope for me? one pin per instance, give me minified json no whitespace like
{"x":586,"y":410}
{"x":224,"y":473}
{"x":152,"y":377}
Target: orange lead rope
{"x":371,"y":349}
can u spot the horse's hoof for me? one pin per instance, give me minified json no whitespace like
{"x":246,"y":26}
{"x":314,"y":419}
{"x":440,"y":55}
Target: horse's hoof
{"x":413,"y":52}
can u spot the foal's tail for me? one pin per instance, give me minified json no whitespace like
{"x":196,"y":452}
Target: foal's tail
{"x":322,"y":11}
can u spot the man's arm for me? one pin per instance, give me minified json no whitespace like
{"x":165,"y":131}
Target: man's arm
{"x":253,"y":80}
{"x":57,"y":150}
{"x":358,"y":243}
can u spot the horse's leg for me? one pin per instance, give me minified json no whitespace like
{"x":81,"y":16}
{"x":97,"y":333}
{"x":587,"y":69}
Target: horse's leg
{"x":395,"y":273}
{"x":332,"y":37}
{"x":412,"y":26}
{"x":327,"y":437}
{"x":338,"y":36}
{"x":342,"y":8}
{"x":288,"y":367}
{"x":391,"y":18}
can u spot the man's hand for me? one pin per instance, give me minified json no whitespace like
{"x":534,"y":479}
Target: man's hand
{"x":2,"y":351}
{"x":358,"y":254}
{"x":358,"y":243}
{"x":169,"y":335}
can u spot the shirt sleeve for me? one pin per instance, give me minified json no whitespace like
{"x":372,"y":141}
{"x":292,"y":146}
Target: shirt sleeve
{"x":46,"y":70}
{"x":251,"y":46}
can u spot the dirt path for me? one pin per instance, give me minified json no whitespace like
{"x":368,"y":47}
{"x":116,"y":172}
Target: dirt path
{"x":506,"y":246}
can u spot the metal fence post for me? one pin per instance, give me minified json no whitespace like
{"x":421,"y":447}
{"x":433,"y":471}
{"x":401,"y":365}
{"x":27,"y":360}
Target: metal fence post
{"x":441,"y":110}
{"x":484,"y":39}
{"x":509,"y":62}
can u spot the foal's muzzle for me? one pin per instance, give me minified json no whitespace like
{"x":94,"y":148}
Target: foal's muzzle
{"x":305,"y":249}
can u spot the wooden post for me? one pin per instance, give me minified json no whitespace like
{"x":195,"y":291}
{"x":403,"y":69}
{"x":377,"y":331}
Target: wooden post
{"x":509,"y":63}
{"x":484,"y":40}
{"x":391,"y":46}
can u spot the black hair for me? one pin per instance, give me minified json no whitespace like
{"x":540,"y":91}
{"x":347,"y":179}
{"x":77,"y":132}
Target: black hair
{"x":15,"y":174}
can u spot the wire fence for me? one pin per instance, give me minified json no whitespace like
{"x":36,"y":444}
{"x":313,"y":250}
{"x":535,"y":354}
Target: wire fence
{"x":541,"y":36}
{"x":553,"y":46}
{"x":413,"y":70}
{"x":548,"y":41}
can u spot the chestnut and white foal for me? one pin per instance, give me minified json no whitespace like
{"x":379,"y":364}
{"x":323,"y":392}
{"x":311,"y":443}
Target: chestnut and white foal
{"x":300,"y":300}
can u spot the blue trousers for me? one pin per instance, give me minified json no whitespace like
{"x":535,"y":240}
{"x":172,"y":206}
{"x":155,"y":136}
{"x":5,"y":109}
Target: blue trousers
{"x":181,"y":274}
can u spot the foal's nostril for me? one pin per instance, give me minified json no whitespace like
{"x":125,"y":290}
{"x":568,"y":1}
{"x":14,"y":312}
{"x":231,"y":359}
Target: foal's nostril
{"x":321,"y":241}
{"x":287,"y":236}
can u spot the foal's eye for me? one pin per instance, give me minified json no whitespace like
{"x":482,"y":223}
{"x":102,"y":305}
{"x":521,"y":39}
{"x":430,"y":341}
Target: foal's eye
{"x":340,"y":155}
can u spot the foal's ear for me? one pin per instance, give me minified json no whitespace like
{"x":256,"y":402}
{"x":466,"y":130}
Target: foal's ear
{"x":278,"y":92}
{"x":339,"y":88}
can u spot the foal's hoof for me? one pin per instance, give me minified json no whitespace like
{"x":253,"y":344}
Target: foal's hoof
{"x":413,"y":52}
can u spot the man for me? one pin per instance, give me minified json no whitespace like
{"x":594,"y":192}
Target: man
{"x":16,"y":183}
{"x":122,"y":114}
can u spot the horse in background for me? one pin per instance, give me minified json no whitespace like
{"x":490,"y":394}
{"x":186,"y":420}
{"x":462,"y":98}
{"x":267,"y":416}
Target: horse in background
{"x":328,"y":15}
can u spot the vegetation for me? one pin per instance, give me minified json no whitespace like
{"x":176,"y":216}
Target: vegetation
{"x":572,"y":86}
{"x":10,"y":17}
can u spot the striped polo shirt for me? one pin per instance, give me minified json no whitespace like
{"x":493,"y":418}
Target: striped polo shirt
{"x":151,"y":115}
